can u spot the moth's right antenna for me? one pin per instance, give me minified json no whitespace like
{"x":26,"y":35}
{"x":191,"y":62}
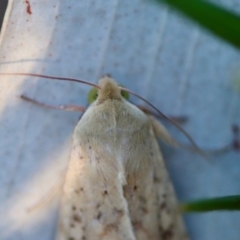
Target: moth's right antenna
{"x":170,"y":120}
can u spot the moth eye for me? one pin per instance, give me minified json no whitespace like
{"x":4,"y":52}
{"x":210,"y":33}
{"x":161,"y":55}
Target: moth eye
{"x":125,"y":94}
{"x":92,"y":95}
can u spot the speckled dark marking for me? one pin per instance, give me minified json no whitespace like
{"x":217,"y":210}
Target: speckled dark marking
{"x":72,"y":225}
{"x":105,"y":193}
{"x":144,"y":210}
{"x":71,"y":238}
{"x":98,"y":205}
{"x":73,"y":208}
{"x":156,"y":179}
{"x":90,"y":147}
{"x":83,"y":238}
{"x":118,"y":211}
{"x":77,"y":218}
{"x":167,"y":234}
{"x":135,"y":188}
{"x":99,"y":215}
{"x":81,"y":189}
{"x":108,"y":228}
{"x":163,"y":205}
{"x":138,"y":225}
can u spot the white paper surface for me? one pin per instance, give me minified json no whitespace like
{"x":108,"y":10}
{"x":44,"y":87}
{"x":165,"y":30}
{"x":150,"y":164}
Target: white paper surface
{"x":151,"y":50}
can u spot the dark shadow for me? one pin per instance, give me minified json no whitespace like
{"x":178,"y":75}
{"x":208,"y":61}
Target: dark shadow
{"x":3,"y":6}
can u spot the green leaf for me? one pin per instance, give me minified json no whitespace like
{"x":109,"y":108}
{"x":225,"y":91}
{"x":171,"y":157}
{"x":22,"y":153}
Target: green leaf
{"x":226,"y":203}
{"x":223,"y":23}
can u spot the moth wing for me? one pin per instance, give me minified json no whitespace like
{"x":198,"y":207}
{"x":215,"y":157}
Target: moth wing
{"x":151,"y":199}
{"x":171,"y":224}
{"x":93,"y":205}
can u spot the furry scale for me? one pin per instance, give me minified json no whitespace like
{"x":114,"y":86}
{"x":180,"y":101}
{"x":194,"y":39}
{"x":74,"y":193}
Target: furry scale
{"x":117,"y":186}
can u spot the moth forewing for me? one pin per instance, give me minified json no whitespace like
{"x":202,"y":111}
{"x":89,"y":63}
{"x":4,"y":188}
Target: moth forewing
{"x":117,"y":186}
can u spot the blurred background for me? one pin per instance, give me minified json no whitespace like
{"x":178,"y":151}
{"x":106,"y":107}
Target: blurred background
{"x":3,"y":5}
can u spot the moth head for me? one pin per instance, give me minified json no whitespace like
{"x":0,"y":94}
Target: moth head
{"x":109,"y":89}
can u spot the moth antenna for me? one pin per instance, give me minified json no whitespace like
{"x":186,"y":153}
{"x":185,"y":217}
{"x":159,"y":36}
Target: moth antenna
{"x":124,"y":89}
{"x":168,"y":119}
{"x":52,"y":77}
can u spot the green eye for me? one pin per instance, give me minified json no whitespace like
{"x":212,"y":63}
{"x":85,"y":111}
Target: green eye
{"x":125,"y":94}
{"x":92,"y":95}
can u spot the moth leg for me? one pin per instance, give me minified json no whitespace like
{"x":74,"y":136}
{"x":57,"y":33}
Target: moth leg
{"x":47,"y":197}
{"x":180,"y":119}
{"x":233,"y":145}
{"x":236,"y":137}
{"x":161,"y":132}
{"x":60,"y":107}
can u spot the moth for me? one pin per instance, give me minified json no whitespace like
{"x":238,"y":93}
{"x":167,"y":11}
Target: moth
{"x":117,"y":186}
